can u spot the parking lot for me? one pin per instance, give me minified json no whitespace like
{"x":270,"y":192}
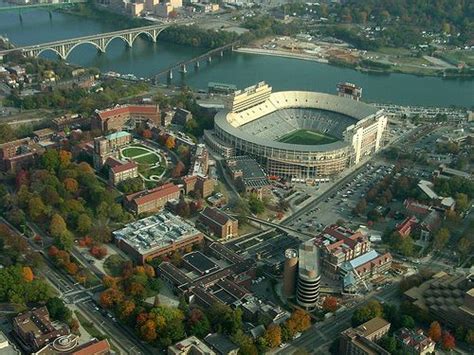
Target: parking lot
{"x":340,"y":204}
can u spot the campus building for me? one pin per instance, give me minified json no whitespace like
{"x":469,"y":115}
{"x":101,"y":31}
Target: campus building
{"x":120,"y":171}
{"x":309,"y":275}
{"x":35,"y":330}
{"x":347,"y":256}
{"x":124,"y":116}
{"x":109,"y":147}
{"x":362,"y":340}
{"x":214,"y":275}
{"x":160,"y":234}
{"x":18,"y":154}
{"x":245,"y":171}
{"x":446,"y":297}
{"x":219,"y":223}
{"x":151,"y":200}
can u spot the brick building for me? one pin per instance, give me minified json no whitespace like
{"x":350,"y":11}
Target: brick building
{"x":151,"y":200}
{"x":157,"y":235}
{"x":122,"y":171}
{"x":35,"y":330}
{"x":109,"y":147}
{"x":18,"y":154}
{"x":219,"y":223}
{"x":118,"y":117}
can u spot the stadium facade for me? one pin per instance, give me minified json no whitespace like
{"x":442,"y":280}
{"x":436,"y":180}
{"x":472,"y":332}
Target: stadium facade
{"x":256,"y":122}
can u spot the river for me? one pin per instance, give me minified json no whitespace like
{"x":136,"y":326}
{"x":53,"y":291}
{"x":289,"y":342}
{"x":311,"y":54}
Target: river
{"x":146,"y":59}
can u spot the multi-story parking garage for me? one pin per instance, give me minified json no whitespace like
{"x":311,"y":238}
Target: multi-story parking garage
{"x":298,"y":134}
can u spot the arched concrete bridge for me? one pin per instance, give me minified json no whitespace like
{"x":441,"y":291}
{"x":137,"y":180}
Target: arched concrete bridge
{"x":101,"y":41}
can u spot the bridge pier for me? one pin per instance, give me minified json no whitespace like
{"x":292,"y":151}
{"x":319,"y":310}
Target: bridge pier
{"x":196,"y":65}
{"x":183,"y":69}
{"x":170,"y":75}
{"x":222,"y":53}
{"x":209,"y":59}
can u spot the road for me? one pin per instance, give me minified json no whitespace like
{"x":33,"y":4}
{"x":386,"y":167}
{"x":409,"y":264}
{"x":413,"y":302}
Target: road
{"x":122,"y":337}
{"x":318,"y":339}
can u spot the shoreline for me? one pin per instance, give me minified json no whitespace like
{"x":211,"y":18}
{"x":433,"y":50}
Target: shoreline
{"x":282,"y":54}
{"x":310,"y":58}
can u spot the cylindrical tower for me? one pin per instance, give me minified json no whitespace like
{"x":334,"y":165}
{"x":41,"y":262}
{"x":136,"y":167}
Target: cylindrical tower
{"x":309,"y":275}
{"x":289,"y":272}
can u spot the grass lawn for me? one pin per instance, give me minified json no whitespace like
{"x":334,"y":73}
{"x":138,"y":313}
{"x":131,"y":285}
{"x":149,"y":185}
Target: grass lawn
{"x":113,"y":265}
{"x":154,"y":171}
{"x":150,"y":158}
{"x":306,"y":137}
{"x":131,"y":152}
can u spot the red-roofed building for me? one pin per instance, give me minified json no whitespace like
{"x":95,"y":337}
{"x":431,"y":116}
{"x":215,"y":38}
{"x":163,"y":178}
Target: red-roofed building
{"x":338,"y":245}
{"x":152,"y":200}
{"x":415,"y":208}
{"x":114,"y":119}
{"x":122,"y":171}
{"x":94,"y":347}
{"x":407,"y":226}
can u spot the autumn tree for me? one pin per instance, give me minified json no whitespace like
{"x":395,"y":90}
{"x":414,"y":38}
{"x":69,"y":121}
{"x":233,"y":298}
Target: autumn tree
{"x":170,"y":142}
{"x":71,"y":185}
{"x":273,"y":335}
{"x":64,"y":158}
{"x":448,"y":342}
{"x":126,"y":309}
{"x":147,"y":134}
{"x":148,"y":331}
{"x":28,"y":274}
{"x":330,"y":304}
{"x":299,"y":321}
{"x":110,"y":297}
{"x":435,"y":332}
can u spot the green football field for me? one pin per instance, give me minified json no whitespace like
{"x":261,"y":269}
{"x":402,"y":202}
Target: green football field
{"x":307,"y":137}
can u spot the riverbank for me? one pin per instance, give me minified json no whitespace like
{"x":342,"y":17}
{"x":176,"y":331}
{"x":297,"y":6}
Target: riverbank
{"x":283,"y":54}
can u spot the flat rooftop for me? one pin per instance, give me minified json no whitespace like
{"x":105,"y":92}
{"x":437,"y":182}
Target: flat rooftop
{"x":155,"y":232}
{"x":200,"y":262}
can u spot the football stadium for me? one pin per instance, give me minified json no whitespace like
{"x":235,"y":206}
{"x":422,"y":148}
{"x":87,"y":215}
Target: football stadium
{"x":297,"y":134}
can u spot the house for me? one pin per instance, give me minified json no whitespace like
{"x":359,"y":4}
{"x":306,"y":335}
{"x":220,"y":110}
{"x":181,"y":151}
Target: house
{"x":415,"y":342}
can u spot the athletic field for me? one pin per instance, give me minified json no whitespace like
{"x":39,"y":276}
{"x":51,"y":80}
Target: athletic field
{"x":307,"y":137}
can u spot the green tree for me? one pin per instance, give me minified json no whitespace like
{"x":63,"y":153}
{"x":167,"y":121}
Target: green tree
{"x":57,"y":226}
{"x":57,"y":310}
{"x":84,"y":224}
{"x":255,"y":204}
{"x":50,"y":160}
{"x":365,"y":313}
{"x":407,"y":322}
{"x":388,"y":343}
{"x":441,"y":238}
{"x":36,"y":209}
